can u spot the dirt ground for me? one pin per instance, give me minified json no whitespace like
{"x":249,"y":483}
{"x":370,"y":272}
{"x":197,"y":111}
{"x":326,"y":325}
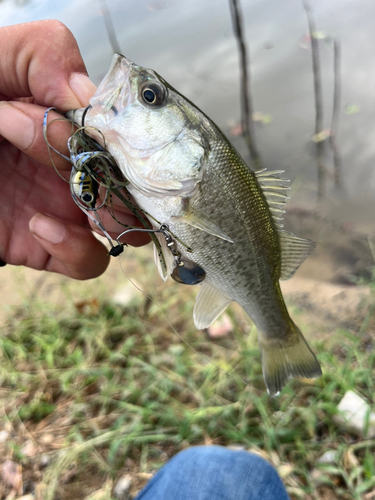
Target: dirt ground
{"x":329,"y":290}
{"x":327,"y":286}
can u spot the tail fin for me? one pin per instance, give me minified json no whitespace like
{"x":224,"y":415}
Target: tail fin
{"x":285,"y":358}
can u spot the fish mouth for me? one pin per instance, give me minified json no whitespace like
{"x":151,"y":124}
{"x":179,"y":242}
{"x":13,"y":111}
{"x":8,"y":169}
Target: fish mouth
{"x":115,"y":88}
{"x":115,"y":85}
{"x":117,"y":91}
{"x":118,"y":72}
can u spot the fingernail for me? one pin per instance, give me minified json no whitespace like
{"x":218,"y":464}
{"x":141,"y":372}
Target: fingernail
{"x":47,"y":228}
{"x":16,"y":126}
{"x":82,"y":87}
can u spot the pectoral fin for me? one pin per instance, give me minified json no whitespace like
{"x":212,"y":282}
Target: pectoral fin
{"x":294,"y":251}
{"x":200,"y":221}
{"x":210,"y":303}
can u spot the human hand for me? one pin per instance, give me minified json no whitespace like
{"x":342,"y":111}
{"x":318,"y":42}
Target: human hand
{"x":40,"y":225}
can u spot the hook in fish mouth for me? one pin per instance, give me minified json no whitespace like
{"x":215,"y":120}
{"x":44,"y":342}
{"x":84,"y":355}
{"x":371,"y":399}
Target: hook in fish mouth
{"x":84,"y":115}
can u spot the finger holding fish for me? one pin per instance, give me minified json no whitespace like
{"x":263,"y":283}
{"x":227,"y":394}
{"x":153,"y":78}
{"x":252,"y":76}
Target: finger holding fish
{"x":27,"y":135}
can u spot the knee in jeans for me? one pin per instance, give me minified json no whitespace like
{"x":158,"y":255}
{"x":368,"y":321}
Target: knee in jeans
{"x":225,"y":458}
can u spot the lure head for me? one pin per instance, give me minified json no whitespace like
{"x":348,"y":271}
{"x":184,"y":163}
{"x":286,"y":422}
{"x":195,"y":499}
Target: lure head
{"x":84,"y":188}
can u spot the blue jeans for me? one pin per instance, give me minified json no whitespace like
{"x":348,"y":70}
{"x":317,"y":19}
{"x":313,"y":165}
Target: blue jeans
{"x":215,"y":473}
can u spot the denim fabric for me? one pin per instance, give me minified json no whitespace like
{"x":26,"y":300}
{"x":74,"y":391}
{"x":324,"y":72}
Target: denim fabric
{"x":215,"y":473}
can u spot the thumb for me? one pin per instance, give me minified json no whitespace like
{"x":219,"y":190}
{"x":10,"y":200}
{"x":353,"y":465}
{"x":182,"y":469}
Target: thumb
{"x":72,"y":249}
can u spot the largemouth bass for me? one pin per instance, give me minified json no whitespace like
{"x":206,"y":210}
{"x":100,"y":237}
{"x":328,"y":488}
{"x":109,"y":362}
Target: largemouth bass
{"x":184,"y":173}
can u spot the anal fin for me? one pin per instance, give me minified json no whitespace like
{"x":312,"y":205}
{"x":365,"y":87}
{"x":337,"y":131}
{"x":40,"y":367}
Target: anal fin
{"x":210,"y":303}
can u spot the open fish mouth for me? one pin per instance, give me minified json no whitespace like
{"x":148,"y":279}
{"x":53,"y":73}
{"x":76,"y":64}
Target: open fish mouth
{"x":114,"y":88}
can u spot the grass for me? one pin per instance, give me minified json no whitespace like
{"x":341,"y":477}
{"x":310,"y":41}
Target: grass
{"x":125,"y":388}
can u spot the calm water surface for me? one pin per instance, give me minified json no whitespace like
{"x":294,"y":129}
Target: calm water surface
{"x":191,"y":44}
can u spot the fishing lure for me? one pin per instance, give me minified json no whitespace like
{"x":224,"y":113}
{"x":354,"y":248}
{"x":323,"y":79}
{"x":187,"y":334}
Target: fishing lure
{"x":186,"y":271}
{"x":84,"y":187}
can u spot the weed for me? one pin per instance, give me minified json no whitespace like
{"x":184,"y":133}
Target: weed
{"x":115,"y":385}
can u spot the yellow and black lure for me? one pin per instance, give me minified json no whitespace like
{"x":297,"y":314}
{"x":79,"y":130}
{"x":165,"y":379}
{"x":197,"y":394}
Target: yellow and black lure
{"x":84,"y":187}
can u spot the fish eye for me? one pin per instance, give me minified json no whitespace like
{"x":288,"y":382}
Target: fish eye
{"x":153,"y":94}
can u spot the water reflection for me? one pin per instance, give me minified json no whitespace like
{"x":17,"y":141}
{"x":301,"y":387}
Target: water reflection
{"x":191,"y":44}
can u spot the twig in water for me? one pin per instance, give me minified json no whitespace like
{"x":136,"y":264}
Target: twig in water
{"x":322,"y":170}
{"x":335,"y":115}
{"x":110,"y":28}
{"x":247,"y":107}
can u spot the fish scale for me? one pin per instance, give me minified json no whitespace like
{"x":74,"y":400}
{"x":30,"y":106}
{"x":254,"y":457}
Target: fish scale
{"x":184,"y":173}
{"x":235,"y":267}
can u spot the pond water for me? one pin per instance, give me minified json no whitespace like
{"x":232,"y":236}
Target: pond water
{"x":191,"y":44}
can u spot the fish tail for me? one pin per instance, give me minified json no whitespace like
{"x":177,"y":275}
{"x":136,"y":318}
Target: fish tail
{"x":286,"y":357}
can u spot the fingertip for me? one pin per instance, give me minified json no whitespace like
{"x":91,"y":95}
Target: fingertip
{"x":48,"y":229}
{"x":21,"y":124}
{"x":82,"y":87}
{"x":72,"y":250}
{"x":16,"y":126}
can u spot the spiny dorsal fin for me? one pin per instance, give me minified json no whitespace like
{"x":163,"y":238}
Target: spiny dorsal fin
{"x":274,"y":189}
{"x":209,"y":304}
{"x":294,"y":251}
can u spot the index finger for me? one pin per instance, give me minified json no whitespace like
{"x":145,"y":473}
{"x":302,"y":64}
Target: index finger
{"x":42,"y":60}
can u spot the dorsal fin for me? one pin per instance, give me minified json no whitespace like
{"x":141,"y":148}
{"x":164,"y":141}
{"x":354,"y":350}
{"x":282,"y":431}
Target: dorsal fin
{"x":274,"y":189}
{"x":294,"y":251}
